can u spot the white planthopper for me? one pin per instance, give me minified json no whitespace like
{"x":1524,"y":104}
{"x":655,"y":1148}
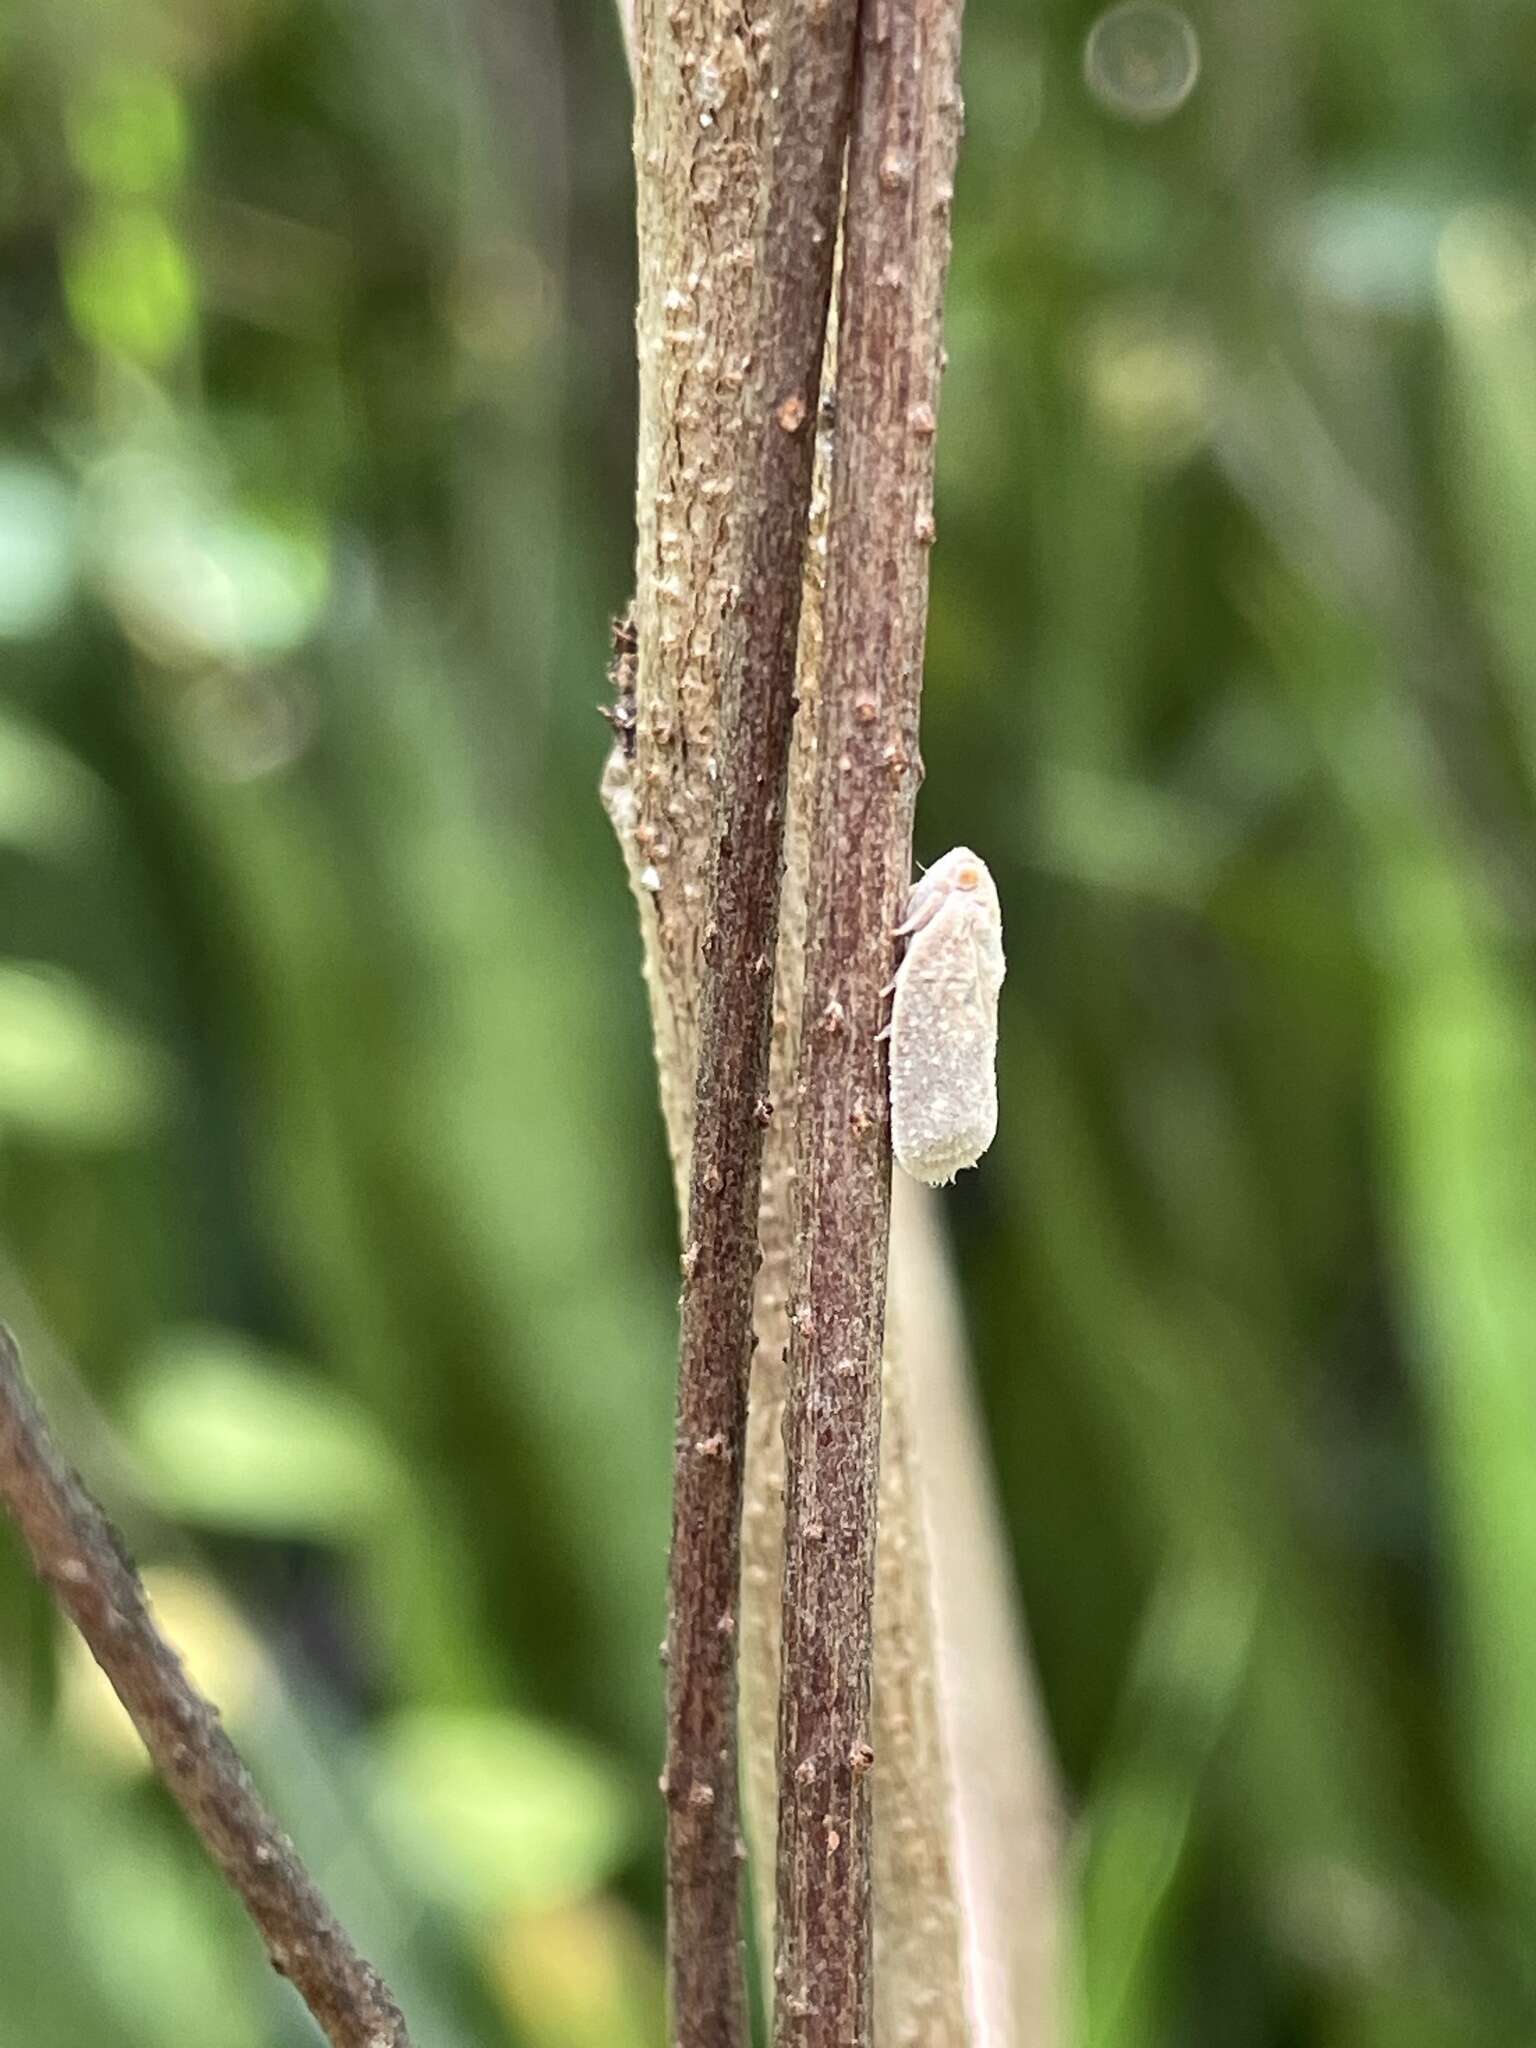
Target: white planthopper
{"x":943,"y":1028}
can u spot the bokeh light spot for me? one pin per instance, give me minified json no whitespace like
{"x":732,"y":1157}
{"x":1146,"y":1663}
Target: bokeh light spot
{"x":1141,"y":60}
{"x":37,"y":548}
{"x":1487,"y":264}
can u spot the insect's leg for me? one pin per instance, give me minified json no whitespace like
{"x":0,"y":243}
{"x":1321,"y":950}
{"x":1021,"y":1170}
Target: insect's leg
{"x":921,"y":908}
{"x":924,"y":900}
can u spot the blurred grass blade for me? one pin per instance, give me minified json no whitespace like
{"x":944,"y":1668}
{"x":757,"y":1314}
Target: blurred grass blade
{"x":1459,"y":1116}
{"x":1191,"y":1659}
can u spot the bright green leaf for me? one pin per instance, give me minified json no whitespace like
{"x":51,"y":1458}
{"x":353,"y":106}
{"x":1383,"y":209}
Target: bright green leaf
{"x":496,"y":1810}
{"x":131,"y":288}
{"x":238,"y":1439}
{"x":69,"y":1072}
{"x":128,"y":133}
{"x":50,"y":801}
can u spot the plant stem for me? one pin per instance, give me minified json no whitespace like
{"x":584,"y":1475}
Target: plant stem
{"x":895,"y":257}
{"x":80,"y":1557}
{"x":811,"y":63}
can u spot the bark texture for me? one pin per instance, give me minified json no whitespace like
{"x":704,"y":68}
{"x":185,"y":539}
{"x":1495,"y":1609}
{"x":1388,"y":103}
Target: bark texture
{"x":80,"y":1558}
{"x":701,"y":104}
{"x":880,"y":526}
{"x":809,"y":55}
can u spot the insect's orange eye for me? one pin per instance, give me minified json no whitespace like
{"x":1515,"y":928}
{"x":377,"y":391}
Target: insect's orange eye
{"x":968,"y":878}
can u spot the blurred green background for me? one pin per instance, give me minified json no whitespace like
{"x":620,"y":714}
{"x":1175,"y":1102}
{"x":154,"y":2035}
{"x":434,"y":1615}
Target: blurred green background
{"x":335,"y":1216}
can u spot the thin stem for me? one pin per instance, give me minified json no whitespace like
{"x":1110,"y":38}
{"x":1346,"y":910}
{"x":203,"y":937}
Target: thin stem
{"x":811,"y":66}
{"x":895,"y":257}
{"x":80,"y":1557}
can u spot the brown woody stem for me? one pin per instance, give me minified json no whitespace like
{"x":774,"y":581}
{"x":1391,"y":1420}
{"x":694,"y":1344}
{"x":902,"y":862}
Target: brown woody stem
{"x":79,"y":1556}
{"x":895,"y":257}
{"x":811,"y":67}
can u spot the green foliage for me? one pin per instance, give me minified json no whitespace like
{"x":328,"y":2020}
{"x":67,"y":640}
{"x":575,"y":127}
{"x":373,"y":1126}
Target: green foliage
{"x":499,"y":1811}
{"x":232,"y":1438}
{"x":328,"y":1140}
